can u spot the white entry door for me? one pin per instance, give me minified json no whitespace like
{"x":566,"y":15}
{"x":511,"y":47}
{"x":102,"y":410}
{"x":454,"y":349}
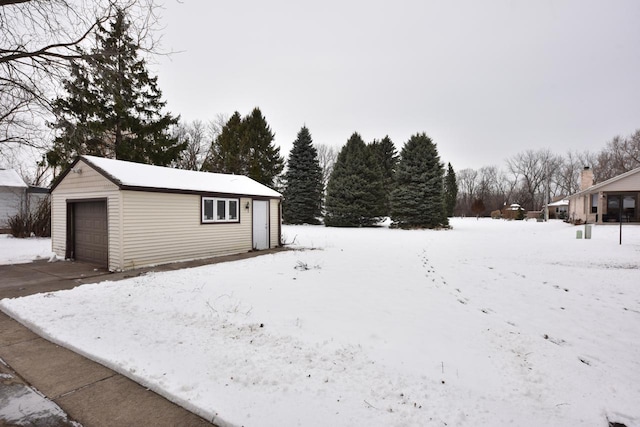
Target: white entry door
{"x":260,"y":224}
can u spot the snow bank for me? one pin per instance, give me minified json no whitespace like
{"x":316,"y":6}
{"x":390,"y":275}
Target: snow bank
{"x":491,"y":323}
{"x":18,"y":251}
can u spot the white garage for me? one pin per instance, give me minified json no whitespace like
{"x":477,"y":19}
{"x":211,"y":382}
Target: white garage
{"x":123,"y":215}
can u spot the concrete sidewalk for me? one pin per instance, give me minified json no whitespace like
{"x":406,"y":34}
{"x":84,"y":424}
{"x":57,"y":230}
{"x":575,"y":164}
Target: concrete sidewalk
{"x":88,"y":392}
{"x":22,"y":405}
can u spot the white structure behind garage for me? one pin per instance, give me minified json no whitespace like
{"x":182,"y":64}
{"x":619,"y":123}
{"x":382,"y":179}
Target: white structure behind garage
{"x":123,"y":215}
{"x":12,"y":192}
{"x":16,"y":197}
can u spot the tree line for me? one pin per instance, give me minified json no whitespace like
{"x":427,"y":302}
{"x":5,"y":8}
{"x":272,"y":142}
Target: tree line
{"x":111,"y":106}
{"x":531,"y":177}
{"x":367,"y":183}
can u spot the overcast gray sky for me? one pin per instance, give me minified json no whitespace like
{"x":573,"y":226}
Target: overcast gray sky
{"x":484,"y":79}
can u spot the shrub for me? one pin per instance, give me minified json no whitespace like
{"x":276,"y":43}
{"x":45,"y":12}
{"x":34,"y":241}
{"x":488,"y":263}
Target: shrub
{"x":37,"y":223}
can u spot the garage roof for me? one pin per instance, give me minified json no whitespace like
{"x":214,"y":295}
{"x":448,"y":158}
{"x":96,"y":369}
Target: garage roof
{"x":138,"y":176}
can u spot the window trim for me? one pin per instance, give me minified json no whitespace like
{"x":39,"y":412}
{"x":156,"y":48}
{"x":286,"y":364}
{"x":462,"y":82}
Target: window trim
{"x":215,"y":200}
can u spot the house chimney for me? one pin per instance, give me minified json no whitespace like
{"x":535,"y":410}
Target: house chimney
{"x":586,"y":178}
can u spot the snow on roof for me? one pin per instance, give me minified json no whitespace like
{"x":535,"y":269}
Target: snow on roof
{"x":129,"y":174}
{"x":563,"y":202}
{"x":10,"y":178}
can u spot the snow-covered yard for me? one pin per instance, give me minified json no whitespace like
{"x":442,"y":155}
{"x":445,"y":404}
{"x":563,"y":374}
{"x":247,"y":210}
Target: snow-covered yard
{"x":491,"y":323}
{"x":17,"y":251}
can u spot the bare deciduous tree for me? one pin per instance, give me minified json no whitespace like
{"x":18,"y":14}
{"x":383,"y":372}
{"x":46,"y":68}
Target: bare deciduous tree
{"x":199,"y":137}
{"x":215,"y":126}
{"x":567,"y":177}
{"x":493,"y":187}
{"x":620,"y":155}
{"x":327,"y":156}
{"x":194,"y":134}
{"x":534,"y":170}
{"x":38,"y":41}
{"x":467,"y":187}
{"x":487,"y":176}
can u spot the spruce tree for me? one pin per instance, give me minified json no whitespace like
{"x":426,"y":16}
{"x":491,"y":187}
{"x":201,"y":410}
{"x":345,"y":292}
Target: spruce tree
{"x":417,"y":201}
{"x":245,"y":147}
{"x":78,"y":120}
{"x":227,"y":155}
{"x":303,"y":189}
{"x":387,"y":156}
{"x":264,"y":162}
{"x":355,"y":196}
{"x":113,"y":108}
{"x":450,"y":190}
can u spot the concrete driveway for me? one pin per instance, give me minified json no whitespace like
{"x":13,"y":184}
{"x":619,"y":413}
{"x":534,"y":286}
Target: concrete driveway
{"x":41,"y":276}
{"x":87,"y":392}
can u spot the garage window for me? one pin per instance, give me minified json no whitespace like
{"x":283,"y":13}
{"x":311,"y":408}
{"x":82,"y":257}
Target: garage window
{"x":216,"y":209}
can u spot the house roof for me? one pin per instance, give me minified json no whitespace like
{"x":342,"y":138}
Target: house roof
{"x":138,"y":176}
{"x":598,"y":186}
{"x":10,"y":178}
{"x":562,"y":202}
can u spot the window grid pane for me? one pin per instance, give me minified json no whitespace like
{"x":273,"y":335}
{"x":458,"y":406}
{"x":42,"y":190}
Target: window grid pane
{"x":221,"y":211}
{"x":233,"y":210}
{"x":208,"y":209}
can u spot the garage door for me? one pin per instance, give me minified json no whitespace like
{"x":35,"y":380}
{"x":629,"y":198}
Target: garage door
{"x":90,"y":232}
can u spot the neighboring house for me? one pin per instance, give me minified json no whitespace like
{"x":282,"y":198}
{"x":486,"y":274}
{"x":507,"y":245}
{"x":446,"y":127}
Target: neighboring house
{"x":610,"y":201}
{"x":123,"y":215}
{"x":13,"y":192}
{"x":512,"y":211}
{"x":17,"y":197}
{"x":559,"y":209}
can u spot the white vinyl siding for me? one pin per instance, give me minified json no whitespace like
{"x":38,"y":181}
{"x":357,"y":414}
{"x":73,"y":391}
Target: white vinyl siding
{"x":274,"y":221}
{"x":629,"y":183}
{"x":163,"y":227}
{"x":11,"y":203}
{"x":151,"y":227}
{"x":88,"y":184}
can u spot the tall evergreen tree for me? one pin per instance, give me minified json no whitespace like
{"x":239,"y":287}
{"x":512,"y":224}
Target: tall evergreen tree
{"x":78,"y":120}
{"x":417,"y":201}
{"x":303,"y":189}
{"x":450,"y":190}
{"x":387,"y":156}
{"x":355,"y":195}
{"x":245,"y":147}
{"x":264,"y":162}
{"x":113,"y":107}
{"x":227,"y":154}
